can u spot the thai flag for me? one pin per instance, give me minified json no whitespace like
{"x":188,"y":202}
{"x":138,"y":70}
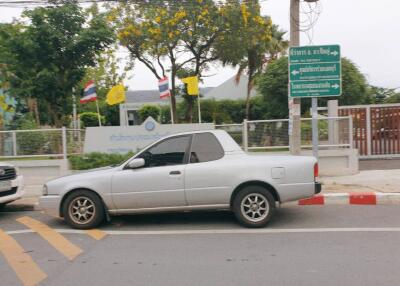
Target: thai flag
{"x":163,"y":88}
{"x":89,"y":92}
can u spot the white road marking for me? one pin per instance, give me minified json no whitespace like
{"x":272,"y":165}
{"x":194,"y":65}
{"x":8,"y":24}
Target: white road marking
{"x":223,"y":231}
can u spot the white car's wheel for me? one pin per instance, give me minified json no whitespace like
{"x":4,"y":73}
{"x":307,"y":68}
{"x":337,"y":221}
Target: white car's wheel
{"x":253,"y":206}
{"x":83,"y":210}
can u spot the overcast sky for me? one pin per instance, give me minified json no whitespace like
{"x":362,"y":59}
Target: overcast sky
{"x":367,"y":30}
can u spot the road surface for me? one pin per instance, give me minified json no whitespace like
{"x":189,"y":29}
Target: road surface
{"x":303,"y":245}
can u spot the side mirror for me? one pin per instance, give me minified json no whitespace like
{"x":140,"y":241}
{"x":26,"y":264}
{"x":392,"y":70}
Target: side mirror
{"x":136,"y":163}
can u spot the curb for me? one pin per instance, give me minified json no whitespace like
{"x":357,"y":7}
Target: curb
{"x":366,"y":198}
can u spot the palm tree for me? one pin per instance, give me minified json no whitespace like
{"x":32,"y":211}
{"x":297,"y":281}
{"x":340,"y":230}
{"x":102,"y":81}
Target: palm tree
{"x":258,"y":56}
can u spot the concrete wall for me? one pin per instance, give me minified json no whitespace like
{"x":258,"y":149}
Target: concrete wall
{"x":123,"y":139}
{"x":37,"y":172}
{"x":341,"y":162}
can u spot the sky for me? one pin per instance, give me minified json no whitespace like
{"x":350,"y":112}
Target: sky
{"x":368,"y":32}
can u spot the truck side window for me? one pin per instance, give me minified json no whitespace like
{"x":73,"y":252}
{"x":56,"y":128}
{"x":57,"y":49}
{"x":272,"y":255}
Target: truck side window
{"x":205,"y":148}
{"x":168,"y":152}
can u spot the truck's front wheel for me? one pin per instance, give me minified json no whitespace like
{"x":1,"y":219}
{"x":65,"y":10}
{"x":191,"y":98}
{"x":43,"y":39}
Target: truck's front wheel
{"x":83,"y":210}
{"x":253,"y":206}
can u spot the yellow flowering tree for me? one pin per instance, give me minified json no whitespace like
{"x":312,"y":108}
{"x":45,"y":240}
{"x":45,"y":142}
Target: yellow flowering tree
{"x":169,"y":36}
{"x":250,"y":41}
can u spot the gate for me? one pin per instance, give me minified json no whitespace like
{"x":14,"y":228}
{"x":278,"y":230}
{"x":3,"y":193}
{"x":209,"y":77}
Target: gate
{"x":376,"y":128}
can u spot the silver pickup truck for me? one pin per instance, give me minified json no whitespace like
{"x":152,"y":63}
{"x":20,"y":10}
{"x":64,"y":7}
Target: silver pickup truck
{"x":187,"y":171}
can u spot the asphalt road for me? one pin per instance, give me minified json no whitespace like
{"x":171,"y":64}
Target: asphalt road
{"x":314,"y":245}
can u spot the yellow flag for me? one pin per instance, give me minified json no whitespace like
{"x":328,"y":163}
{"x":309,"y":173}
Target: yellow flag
{"x":243,"y":7}
{"x":116,"y":95}
{"x":192,"y":85}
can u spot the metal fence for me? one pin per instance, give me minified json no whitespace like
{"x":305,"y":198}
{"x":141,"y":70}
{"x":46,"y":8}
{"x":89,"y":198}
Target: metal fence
{"x":41,"y":143}
{"x":333,"y":132}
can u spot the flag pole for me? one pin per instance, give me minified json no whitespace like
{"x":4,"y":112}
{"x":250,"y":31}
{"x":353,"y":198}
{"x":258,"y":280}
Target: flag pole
{"x":198,"y":106}
{"x":98,"y":112}
{"x":170,"y":109}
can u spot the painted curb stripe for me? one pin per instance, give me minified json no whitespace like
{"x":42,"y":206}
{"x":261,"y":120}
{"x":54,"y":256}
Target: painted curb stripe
{"x":59,"y":242}
{"x":315,"y":200}
{"x":362,"y":199}
{"x":23,"y":265}
{"x":369,"y":198}
{"x":96,"y":234}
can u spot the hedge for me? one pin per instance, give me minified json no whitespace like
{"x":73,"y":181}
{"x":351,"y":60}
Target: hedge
{"x":96,"y":160}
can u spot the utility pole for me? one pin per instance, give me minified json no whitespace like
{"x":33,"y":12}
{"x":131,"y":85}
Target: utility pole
{"x":294,"y":103}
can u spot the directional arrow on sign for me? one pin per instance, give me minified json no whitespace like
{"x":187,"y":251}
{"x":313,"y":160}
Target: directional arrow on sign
{"x":295,"y":72}
{"x":335,"y":53}
{"x":336,"y":86}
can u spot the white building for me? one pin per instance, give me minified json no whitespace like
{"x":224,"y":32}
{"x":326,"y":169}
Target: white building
{"x":128,"y":111}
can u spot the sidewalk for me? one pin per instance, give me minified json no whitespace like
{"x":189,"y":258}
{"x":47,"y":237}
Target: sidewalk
{"x":384,"y":181}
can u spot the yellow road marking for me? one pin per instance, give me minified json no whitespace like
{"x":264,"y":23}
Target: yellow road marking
{"x":96,"y":233}
{"x":22,"y":264}
{"x":59,"y":242}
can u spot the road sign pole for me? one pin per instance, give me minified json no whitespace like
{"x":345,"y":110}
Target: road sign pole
{"x":314,"y":110}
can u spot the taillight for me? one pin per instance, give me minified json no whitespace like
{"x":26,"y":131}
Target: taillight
{"x":316,"y":170}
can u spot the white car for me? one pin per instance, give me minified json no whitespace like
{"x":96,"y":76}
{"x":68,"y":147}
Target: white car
{"x":187,"y":171}
{"x":11,"y":184}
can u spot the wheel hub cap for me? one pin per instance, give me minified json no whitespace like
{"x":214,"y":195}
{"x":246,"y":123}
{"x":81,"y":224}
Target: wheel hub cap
{"x":82,"y":210}
{"x":255,"y":207}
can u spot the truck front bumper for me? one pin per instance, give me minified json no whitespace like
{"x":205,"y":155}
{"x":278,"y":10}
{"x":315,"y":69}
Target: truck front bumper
{"x":50,"y":204}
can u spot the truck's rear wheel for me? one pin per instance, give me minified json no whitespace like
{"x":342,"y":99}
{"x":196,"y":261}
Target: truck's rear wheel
{"x":83,"y":210}
{"x":253,"y":206}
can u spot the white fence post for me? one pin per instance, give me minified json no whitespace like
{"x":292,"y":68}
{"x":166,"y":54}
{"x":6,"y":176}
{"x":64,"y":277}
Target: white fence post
{"x":369,"y":137}
{"x":14,"y":140}
{"x":245,"y":136}
{"x":351,"y":132}
{"x":64,"y":142}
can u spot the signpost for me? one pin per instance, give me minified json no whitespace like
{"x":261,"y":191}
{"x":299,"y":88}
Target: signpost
{"x":315,"y":71}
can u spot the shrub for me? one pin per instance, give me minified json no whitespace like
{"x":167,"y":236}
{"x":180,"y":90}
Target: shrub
{"x":30,"y":143}
{"x":90,"y":119}
{"x":149,"y":110}
{"x":165,"y":114}
{"x":96,"y":160}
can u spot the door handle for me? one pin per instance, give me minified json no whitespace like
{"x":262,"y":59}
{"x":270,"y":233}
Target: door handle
{"x":175,"y":172}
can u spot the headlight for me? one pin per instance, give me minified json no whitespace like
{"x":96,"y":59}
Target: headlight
{"x":45,"y":191}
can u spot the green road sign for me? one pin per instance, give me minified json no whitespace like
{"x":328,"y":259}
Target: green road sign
{"x":315,"y":71}
{"x":314,"y":54}
{"x":314,"y":88}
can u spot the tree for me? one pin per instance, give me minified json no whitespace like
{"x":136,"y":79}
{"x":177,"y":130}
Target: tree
{"x":383,"y":95}
{"x":168,"y":36}
{"x":109,"y":70}
{"x":90,"y":119}
{"x":50,"y":55}
{"x":354,"y":83}
{"x":248,"y":41}
{"x":394,"y":98}
{"x":273,"y":86}
{"x":149,"y":110}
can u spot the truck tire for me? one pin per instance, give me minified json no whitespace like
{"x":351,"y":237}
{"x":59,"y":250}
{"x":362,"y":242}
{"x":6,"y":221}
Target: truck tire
{"x":83,"y":210}
{"x":253,"y":206}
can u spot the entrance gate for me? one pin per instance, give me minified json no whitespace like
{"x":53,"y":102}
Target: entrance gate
{"x":376,"y":128}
